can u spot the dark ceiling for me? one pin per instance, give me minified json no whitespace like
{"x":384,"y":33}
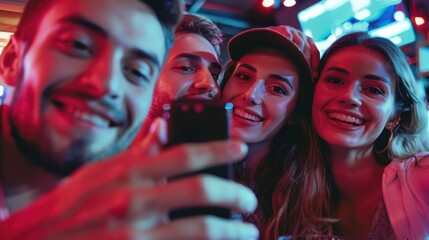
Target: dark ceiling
{"x":232,"y":16}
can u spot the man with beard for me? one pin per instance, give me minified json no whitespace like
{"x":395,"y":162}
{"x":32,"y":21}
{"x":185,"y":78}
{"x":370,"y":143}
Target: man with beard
{"x":192,"y":66}
{"x":84,"y":73}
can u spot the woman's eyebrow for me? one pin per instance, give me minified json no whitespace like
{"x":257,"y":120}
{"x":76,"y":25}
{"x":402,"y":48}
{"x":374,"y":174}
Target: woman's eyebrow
{"x":283,"y":79}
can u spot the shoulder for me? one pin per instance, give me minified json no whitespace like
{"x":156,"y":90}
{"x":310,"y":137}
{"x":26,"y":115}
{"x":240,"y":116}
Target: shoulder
{"x":413,"y":172}
{"x":419,"y":160}
{"x":406,"y":180}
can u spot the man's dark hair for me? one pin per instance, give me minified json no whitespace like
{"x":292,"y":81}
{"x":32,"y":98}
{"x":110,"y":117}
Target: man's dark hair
{"x":167,"y":11}
{"x":192,"y":23}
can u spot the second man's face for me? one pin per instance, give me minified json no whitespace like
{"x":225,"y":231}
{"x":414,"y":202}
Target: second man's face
{"x":190,"y":72}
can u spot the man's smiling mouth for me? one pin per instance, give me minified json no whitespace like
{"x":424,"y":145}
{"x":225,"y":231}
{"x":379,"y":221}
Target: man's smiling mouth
{"x":85,"y":116}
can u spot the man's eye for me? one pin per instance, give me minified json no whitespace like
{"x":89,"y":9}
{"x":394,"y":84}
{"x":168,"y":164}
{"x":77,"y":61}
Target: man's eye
{"x":81,"y":46}
{"x":185,"y":69}
{"x":75,"y":48}
{"x":75,"y":43}
{"x":137,"y":73}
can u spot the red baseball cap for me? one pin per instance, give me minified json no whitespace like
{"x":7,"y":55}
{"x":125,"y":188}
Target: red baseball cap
{"x":288,"y":40}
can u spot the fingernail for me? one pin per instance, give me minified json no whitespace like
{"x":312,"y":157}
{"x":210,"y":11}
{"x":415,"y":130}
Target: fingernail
{"x":158,"y":124}
{"x":238,"y":148}
{"x":154,"y":125}
{"x":250,"y":201}
{"x":253,"y":232}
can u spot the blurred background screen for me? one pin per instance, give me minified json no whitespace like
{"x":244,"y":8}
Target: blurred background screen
{"x":423,"y":58}
{"x":327,"y":20}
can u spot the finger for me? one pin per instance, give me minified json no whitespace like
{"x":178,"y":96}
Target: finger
{"x":196,"y":191}
{"x":155,"y":140}
{"x":186,"y":158}
{"x":176,"y":160}
{"x":201,"y":228}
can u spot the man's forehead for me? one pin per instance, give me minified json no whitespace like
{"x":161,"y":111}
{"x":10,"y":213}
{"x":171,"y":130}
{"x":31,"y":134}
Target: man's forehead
{"x":130,"y":18}
{"x":193,"y":44}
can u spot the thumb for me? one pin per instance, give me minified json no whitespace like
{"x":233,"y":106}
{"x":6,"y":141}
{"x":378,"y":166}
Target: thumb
{"x":155,"y":139}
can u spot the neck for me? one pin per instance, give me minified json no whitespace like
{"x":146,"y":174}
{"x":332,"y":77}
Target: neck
{"x":22,"y":181}
{"x":257,"y":152}
{"x":356,"y":172}
{"x":358,"y":179}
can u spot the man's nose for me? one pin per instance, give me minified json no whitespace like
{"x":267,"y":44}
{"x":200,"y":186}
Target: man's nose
{"x":205,"y":81}
{"x":103,"y":76}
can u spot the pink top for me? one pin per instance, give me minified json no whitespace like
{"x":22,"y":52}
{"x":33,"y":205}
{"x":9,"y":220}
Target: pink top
{"x":406,"y":196}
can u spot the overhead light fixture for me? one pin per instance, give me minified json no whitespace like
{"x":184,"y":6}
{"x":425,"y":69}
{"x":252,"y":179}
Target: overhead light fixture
{"x":268,"y":3}
{"x":277,"y":3}
{"x":419,"y":21}
{"x":289,"y":3}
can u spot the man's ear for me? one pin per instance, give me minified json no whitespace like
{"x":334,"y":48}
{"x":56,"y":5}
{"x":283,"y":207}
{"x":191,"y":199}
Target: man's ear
{"x":9,"y":61}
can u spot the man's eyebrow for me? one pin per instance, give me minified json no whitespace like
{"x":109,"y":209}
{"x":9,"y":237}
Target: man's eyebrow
{"x":197,"y":58}
{"x":84,"y":22}
{"x":146,"y":55}
{"x":191,"y":57}
{"x":283,"y":79}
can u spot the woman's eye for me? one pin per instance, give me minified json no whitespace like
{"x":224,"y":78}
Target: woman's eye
{"x":242,"y":76}
{"x":278,"y":90}
{"x":333,"y":80}
{"x":375,"y":90}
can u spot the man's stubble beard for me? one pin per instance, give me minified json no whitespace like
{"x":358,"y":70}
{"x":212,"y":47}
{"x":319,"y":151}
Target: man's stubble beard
{"x":76,"y":156}
{"x":35,"y":145}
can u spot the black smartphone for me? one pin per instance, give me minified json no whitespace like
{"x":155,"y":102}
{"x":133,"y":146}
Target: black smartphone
{"x":194,"y":121}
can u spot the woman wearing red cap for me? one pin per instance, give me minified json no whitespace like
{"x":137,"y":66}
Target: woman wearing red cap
{"x":269,"y":82}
